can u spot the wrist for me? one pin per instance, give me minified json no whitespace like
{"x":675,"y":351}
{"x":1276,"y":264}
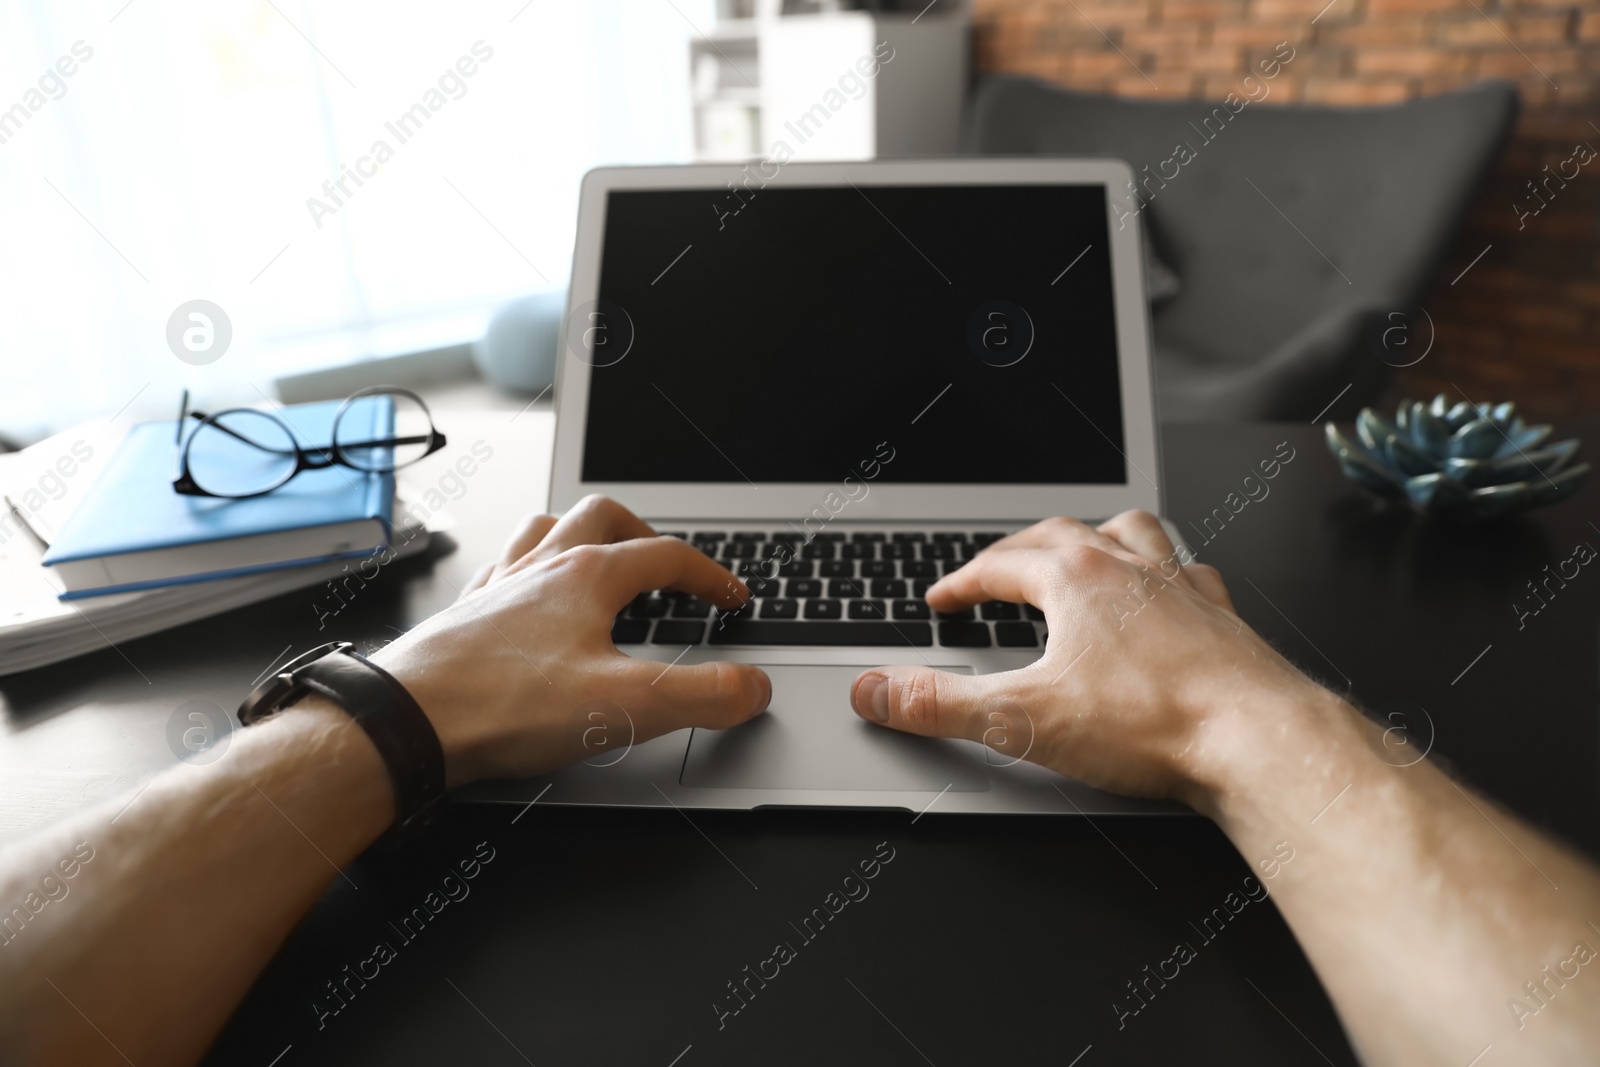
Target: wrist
{"x":325,"y":744}
{"x":1275,"y":748}
{"x":440,"y":696}
{"x":378,"y":703}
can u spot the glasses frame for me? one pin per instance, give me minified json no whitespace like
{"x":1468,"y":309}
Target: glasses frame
{"x":305,"y":459}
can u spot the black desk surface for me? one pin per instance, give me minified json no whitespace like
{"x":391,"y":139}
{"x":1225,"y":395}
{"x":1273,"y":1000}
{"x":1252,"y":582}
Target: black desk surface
{"x":612,"y":936}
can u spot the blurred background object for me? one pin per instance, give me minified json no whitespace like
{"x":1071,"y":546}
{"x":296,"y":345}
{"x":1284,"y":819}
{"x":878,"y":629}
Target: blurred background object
{"x":726,"y":74}
{"x":1290,"y":228}
{"x":229,"y":152}
{"x":830,"y":80}
{"x":1517,"y":303}
{"x":165,"y":154}
{"x":518,"y":350}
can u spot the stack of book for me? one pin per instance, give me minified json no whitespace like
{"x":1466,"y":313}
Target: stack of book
{"x":96,"y":547}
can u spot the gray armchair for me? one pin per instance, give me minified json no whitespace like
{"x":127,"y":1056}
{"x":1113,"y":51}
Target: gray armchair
{"x":1292,"y":229}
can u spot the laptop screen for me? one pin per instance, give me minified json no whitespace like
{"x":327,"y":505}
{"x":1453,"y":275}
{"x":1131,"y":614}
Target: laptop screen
{"x":945,"y":334}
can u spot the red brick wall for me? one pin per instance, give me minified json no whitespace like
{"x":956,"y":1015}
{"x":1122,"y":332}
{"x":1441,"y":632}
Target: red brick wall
{"x":1524,"y":322}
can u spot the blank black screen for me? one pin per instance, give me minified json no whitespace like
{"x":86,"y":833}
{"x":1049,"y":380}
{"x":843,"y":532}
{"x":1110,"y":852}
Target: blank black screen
{"x":782,"y":335}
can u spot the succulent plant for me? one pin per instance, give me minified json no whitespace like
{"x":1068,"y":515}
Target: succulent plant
{"x":1477,"y":459}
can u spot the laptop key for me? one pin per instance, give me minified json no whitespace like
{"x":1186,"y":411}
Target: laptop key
{"x":964,"y":635}
{"x":764,"y":587}
{"x":720,"y":616}
{"x":920,"y":587}
{"x":855,"y":634}
{"x":690,"y":609}
{"x":847,"y":588}
{"x":1000,"y":610}
{"x":749,"y":535}
{"x":863,"y":536}
{"x":630,"y":631}
{"x":911,"y":609}
{"x":949,"y":535}
{"x":899,"y":550}
{"x":1015,"y":635}
{"x":649,"y":607}
{"x":818,"y":549}
{"x":888,"y":588}
{"x":669,"y":632}
{"x":865,"y":609}
{"x":964,"y":615}
{"x":937,"y":550}
{"x":1031,"y":612}
{"x":857,"y":550}
{"x":780,"y":608}
{"x":824,"y":609}
{"x":799,"y":568}
{"x":877,"y":568}
{"x":914,"y":535}
{"x":739,"y":550}
{"x":803,"y":587}
{"x":836,"y":568}
{"x":917,"y":568}
{"x":709,"y":535}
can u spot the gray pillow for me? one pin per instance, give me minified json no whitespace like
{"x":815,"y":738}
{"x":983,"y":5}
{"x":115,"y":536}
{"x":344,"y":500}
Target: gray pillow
{"x":1161,"y":282}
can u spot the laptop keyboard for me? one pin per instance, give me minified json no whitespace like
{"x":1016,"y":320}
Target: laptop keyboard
{"x":852,"y":589}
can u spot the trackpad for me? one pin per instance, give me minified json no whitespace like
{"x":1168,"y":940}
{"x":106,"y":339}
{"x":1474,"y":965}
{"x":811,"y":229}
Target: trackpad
{"x":811,"y":739}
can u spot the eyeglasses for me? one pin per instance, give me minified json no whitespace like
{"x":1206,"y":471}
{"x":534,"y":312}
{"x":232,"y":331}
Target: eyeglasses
{"x":243,"y":452}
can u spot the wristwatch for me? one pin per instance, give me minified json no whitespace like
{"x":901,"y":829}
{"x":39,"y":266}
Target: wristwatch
{"x":379,"y":704}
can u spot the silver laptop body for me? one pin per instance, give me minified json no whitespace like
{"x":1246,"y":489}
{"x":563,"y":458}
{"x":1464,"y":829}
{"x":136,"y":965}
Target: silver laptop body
{"x":843,"y":380}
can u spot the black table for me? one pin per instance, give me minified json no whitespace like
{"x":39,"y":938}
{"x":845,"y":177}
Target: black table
{"x":598,"y":936}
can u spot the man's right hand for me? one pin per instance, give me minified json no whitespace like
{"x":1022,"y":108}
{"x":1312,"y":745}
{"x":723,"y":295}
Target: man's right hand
{"x":1145,"y":672}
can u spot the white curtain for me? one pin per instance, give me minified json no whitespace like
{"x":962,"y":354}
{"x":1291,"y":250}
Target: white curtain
{"x":154,"y":152}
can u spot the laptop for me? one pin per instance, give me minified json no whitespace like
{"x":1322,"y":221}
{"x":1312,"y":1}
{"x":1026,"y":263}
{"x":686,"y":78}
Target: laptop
{"x":843,"y":381}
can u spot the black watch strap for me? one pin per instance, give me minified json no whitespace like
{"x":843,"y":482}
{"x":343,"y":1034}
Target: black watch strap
{"x":380,"y":705}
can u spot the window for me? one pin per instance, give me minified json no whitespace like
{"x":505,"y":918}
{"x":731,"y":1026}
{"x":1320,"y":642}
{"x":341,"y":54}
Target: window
{"x":343,"y":179}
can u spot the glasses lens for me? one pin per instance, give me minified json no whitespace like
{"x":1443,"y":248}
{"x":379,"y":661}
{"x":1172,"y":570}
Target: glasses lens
{"x":241,"y":452}
{"x":383,"y":431}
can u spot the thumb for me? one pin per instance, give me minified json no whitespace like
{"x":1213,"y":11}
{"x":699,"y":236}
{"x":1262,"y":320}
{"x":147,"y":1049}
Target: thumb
{"x":715,"y":695}
{"x":919,"y":700}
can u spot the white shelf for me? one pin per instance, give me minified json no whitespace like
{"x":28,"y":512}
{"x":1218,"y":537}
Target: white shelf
{"x":735,"y":30}
{"x":736,"y":94}
{"x":827,"y":72}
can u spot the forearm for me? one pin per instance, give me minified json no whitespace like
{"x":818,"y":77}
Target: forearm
{"x":194,"y":887}
{"x":1423,"y":909}
{"x":207,"y":871}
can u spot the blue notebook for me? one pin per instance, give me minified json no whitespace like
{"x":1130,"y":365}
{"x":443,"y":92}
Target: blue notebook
{"x":134,"y":531}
